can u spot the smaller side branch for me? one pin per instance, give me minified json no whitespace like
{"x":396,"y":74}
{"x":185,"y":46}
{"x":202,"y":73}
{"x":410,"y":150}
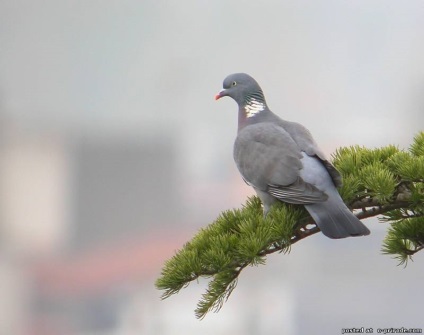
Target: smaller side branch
{"x":380,"y":209}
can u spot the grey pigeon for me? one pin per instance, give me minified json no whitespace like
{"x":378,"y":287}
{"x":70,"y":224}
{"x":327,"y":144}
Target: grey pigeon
{"x":281,"y":161}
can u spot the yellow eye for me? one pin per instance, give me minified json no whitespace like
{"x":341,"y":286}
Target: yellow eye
{"x":233,"y":83}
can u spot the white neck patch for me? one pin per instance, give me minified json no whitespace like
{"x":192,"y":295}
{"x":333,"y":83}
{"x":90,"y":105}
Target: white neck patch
{"x":253,"y":107}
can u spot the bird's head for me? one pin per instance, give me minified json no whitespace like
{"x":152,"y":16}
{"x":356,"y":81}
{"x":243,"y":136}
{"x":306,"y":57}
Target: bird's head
{"x":242,"y":88}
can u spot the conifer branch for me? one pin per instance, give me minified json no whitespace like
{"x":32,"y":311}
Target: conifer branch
{"x":384,"y":182}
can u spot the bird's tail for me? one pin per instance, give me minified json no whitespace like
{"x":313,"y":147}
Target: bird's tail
{"x":336,"y":220}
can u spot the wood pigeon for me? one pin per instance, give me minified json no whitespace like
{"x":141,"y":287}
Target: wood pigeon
{"x":282,"y":162}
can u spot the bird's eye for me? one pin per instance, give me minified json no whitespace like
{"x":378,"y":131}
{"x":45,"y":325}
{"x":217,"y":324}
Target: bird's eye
{"x":233,"y":83}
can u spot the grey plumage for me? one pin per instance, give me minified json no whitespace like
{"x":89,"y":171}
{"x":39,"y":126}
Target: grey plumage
{"x":282,"y":162}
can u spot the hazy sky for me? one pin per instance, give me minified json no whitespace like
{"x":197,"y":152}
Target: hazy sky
{"x":350,"y":71}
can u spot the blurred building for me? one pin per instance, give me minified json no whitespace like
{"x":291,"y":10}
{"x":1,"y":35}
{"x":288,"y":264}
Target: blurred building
{"x":122,"y":188}
{"x":82,"y":223}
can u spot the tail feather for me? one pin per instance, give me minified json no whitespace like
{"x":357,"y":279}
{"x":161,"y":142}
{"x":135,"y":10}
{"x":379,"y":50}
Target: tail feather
{"x":335,"y":220}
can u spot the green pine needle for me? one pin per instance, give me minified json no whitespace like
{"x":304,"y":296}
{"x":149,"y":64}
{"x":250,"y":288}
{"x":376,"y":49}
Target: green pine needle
{"x":417,"y":147}
{"x":379,"y":182}
{"x":404,"y":239}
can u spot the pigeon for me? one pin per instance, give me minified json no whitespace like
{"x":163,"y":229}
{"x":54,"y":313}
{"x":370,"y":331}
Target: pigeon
{"x":282,"y":162}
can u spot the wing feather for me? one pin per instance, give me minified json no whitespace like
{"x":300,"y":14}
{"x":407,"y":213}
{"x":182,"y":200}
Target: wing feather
{"x":299,"y":192}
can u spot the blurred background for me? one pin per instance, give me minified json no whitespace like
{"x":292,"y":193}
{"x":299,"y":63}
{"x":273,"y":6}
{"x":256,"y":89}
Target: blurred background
{"x":113,"y":153}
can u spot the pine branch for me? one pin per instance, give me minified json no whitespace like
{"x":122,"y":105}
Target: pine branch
{"x":384,"y":182}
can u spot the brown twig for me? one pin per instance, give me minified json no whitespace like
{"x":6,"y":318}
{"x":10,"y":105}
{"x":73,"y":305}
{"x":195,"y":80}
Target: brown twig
{"x":376,"y":209}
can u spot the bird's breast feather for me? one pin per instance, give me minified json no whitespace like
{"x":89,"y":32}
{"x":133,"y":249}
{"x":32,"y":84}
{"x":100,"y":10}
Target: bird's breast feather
{"x":266,"y":154}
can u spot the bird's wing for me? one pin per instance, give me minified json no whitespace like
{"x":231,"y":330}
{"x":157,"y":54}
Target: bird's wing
{"x":307,"y":144}
{"x":269,"y":159}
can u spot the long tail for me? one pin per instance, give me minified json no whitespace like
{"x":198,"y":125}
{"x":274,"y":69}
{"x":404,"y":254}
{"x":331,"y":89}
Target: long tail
{"x":336,"y":220}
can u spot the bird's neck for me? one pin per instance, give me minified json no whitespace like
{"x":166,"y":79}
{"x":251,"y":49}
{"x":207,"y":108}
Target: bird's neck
{"x":254,"y":103}
{"x":250,"y":110}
